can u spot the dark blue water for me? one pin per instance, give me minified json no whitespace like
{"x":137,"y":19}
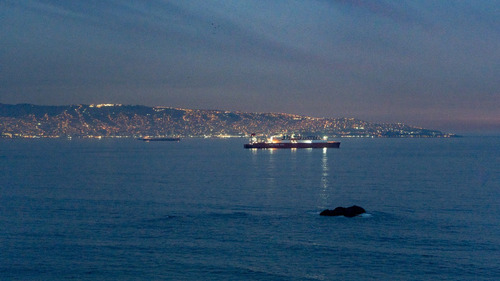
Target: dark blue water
{"x":211,"y":210}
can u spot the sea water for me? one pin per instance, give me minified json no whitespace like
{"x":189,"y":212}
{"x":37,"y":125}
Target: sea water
{"x":207,"y":209}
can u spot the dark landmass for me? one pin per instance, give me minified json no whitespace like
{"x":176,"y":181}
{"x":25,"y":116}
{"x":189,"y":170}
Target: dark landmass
{"x":114,"y":120}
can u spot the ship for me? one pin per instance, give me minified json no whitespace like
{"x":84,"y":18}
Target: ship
{"x":291,"y":141}
{"x":148,"y":139}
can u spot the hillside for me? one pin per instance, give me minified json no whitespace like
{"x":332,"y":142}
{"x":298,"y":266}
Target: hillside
{"x":113,"y":120}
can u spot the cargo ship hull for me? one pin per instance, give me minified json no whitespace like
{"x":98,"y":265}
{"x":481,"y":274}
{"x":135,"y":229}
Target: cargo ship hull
{"x":264,"y":145}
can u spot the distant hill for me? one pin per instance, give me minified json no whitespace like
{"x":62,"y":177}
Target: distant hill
{"x":114,"y":120}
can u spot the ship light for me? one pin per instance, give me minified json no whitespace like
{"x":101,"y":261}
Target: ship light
{"x":275,"y":140}
{"x":325,"y":137}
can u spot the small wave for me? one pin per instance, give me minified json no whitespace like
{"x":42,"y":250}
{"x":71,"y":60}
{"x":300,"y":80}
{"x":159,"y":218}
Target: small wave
{"x":366,"y":215}
{"x":238,"y":214}
{"x":164,"y":218}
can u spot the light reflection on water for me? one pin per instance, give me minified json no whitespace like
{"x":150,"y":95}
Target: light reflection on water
{"x":209,"y":209}
{"x":305,"y":171}
{"x":324,"y":180}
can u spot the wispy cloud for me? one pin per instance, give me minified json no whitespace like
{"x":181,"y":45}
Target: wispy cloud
{"x":323,"y":57}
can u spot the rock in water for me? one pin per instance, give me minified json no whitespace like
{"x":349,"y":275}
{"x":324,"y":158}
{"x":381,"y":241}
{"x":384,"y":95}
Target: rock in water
{"x":339,"y":211}
{"x":346,"y":212}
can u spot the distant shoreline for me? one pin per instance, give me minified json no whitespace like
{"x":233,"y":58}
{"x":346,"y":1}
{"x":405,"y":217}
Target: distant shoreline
{"x":116,"y":120}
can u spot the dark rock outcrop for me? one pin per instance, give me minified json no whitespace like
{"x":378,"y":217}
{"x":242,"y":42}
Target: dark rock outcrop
{"x":346,"y":212}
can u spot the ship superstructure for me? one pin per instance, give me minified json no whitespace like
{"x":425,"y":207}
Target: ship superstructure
{"x":291,"y":141}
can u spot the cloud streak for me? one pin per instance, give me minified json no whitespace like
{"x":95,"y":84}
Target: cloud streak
{"x":377,"y":60}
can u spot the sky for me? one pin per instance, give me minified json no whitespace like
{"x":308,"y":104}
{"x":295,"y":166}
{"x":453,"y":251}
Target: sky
{"x":427,"y":63}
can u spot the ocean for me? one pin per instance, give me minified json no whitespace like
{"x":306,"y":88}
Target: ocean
{"x":207,"y":209}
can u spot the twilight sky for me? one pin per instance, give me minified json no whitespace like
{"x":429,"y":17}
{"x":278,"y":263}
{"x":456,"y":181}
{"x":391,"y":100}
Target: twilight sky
{"x":430,"y":63}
